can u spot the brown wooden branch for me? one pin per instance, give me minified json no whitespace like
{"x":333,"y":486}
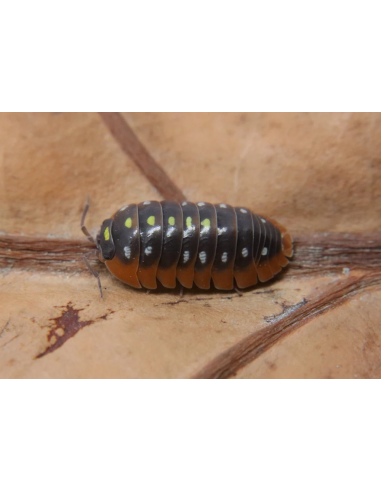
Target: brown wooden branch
{"x":335,"y":251}
{"x":29,"y":252}
{"x":314,"y":254}
{"x":132,"y":146}
{"x":239,"y":355}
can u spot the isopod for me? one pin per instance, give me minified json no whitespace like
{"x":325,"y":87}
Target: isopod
{"x":193,"y":243}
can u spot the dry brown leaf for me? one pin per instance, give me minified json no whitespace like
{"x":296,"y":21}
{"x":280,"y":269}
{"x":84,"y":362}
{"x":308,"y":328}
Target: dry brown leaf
{"x":315,"y":173}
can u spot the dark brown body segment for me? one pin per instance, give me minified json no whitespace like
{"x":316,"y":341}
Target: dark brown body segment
{"x":172,"y":242}
{"x":275,"y":247}
{"x":151,"y":240}
{"x":245,"y":273}
{"x":286,"y":243}
{"x":125,"y":231}
{"x":207,"y":245}
{"x":193,"y":243}
{"x":258,"y":239}
{"x":191,"y":234}
{"x":223,"y":267}
{"x":263,"y":267}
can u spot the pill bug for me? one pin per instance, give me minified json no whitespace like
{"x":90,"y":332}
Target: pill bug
{"x":192,"y":243}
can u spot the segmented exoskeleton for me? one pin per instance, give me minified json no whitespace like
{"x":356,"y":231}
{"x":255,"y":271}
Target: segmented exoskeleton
{"x":191,"y":243}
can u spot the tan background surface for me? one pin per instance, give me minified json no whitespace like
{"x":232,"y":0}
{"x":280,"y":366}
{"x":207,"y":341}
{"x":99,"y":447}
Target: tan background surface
{"x":312,"y":172}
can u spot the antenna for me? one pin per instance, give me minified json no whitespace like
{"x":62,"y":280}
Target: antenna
{"x":83,"y":227}
{"x":92,"y":240}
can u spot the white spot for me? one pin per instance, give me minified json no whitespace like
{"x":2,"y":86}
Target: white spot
{"x":264,"y":251}
{"x":186,"y":256}
{"x":146,"y":203}
{"x":202,"y":256}
{"x":200,"y":204}
{"x":184,"y":203}
{"x":123,"y":208}
{"x":346,"y":271}
{"x":222,"y":230}
{"x":148,"y":250}
{"x":263,"y":220}
{"x":127,"y":252}
{"x":224,"y":257}
{"x":245,"y":252}
{"x":222,"y":205}
{"x":243,"y":210}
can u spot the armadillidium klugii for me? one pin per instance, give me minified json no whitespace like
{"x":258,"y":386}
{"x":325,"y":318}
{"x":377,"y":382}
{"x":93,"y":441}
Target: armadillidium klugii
{"x":192,"y":243}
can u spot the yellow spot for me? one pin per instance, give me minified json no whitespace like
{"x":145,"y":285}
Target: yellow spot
{"x":107,"y":233}
{"x":128,"y":222}
{"x":189,"y":222}
{"x":151,"y":220}
{"x":171,"y":221}
{"x":206,"y":223}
